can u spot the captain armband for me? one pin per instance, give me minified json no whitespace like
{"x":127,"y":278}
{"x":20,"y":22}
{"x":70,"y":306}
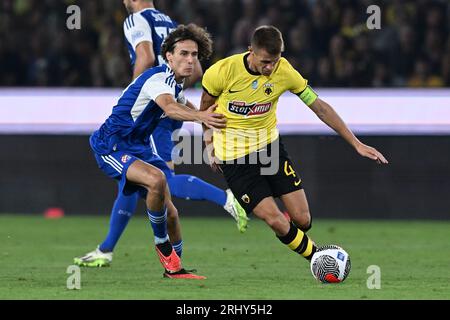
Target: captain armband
{"x":308,"y":96}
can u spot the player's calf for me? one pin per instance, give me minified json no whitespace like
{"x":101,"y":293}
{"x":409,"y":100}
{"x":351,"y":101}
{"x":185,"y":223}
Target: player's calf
{"x":174,"y":228}
{"x":152,"y":179}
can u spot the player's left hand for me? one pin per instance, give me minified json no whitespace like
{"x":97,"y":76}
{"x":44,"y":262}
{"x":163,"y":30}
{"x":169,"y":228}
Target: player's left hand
{"x":213,"y":161}
{"x":371,"y":153}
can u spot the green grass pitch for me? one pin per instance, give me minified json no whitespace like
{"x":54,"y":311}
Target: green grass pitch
{"x":413,"y":256}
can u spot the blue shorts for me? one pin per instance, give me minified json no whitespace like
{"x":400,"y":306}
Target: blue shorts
{"x":161,"y":139}
{"x":116,"y":164}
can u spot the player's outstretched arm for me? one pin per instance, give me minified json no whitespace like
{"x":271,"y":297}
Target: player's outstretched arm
{"x":145,"y":58}
{"x":329,"y":116}
{"x":179,"y":111}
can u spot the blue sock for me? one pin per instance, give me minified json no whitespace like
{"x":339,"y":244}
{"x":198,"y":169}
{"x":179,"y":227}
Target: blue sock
{"x":192,"y":188}
{"x":158,"y":220}
{"x":178,"y":247}
{"x":123,"y":209}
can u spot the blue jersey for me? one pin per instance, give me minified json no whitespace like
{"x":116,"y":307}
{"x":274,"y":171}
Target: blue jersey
{"x":136,"y":114}
{"x":147,"y":25}
{"x":154,"y":26}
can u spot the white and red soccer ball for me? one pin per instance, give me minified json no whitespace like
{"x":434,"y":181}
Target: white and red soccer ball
{"x":330,"y":264}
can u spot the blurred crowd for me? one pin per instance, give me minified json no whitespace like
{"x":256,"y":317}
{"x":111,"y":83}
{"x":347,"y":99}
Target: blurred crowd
{"x":327,"y":41}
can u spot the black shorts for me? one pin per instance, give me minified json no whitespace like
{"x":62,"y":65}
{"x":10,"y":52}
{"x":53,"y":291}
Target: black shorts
{"x":249,"y":185}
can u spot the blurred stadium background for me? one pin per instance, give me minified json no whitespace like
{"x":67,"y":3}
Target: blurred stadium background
{"x":328,"y":41}
{"x":391,"y":85}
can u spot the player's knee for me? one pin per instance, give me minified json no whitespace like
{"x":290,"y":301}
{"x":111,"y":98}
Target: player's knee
{"x":306,"y":224}
{"x":155,"y":181}
{"x":306,"y":227}
{"x":302,"y":219}
{"x":275,"y":221}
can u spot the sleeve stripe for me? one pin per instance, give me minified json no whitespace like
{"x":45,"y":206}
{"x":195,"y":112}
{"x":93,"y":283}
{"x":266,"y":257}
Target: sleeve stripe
{"x":129,"y":22}
{"x":170,"y":80}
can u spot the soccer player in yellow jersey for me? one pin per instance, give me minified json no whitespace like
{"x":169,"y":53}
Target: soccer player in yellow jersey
{"x":247,"y":87}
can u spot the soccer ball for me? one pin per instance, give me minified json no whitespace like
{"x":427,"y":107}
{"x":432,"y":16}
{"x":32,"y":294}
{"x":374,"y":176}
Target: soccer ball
{"x":330,"y":264}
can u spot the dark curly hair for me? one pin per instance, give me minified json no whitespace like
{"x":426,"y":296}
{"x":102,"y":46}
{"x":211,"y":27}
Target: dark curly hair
{"x":189,"y":32}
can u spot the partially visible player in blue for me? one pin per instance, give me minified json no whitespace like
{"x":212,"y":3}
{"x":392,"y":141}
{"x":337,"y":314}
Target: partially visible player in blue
{"x":122,"y":144}
{"x":145,"y":30}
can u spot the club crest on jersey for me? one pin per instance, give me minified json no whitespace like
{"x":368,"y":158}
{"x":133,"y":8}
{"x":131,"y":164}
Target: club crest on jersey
{"x":245,"y":198}
{"x":243,"y":109}
{"x":268,"y":89}
{"x":125,"y":158}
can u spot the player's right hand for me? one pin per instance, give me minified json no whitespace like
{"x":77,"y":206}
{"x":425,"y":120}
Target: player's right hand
{"x":211,"y":119}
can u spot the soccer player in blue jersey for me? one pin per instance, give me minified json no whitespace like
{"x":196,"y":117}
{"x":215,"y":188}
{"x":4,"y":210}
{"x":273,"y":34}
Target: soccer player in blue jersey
{"x":122,"y":144}
{"x":145,"y":30}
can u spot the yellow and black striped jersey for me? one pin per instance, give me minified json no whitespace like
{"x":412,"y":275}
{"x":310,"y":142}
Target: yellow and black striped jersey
{"x":249,"y":102}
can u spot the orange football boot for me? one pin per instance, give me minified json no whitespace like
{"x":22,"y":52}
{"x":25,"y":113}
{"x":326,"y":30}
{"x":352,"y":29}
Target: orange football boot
{"x":172,"y":263}
{"x":182,"y":274}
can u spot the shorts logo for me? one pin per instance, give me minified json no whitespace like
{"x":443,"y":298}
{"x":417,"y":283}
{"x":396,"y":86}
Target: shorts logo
{"x":239,"y":107}
{"x":246,"y":198}
{"x":268,"y":89}
{"x":125,"y":158}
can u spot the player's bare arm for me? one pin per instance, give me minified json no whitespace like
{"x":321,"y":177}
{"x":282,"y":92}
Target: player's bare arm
{"x":329,"y":116}
{"x":145,"y":58}
{"x":190,"y":105}
{"x":206,"y":102}
{"x":179,"y":111}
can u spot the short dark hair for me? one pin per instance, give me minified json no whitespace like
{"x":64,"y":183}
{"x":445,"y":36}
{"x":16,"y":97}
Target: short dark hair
{"x":189,"y":32}
{"x":268,"y":38}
